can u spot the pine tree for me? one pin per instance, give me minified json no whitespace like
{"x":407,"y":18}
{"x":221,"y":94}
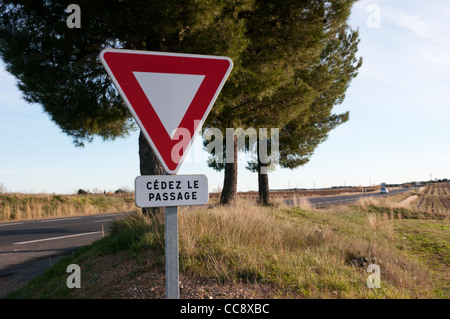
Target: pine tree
{"x":58,"y":67}
{"x":281,"y":35}
{"x":287,"y":40}
{"x":269,"y":41}
{"x":329,"y":77}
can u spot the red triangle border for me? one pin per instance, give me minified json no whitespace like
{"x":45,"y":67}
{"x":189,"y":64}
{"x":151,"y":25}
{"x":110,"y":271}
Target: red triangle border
{"x":120,"y":65}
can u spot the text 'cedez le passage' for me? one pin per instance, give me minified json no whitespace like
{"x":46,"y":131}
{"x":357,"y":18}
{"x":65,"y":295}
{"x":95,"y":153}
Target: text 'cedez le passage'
{"x":171,"y":190}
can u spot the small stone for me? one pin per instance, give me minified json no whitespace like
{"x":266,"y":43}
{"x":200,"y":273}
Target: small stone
{"x":360,"y":262}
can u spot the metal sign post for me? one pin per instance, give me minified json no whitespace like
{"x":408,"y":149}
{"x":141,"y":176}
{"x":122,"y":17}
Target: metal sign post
{"x":171,"y":191}
{"x":172,"y":258}
{"x":171,"y":247}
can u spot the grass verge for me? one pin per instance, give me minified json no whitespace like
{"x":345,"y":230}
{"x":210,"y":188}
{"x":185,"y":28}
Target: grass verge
{"x":245,"y":250}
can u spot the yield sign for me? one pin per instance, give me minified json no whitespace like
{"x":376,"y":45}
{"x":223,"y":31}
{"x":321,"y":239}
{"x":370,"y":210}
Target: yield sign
{"x":169,"y":95}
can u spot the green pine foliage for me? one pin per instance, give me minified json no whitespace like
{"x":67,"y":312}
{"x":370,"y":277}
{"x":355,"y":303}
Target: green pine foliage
{"x":58,"y":67}
{"x":293,"y":61}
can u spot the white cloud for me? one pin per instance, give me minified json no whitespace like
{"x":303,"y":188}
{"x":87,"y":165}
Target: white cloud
{"x":407,"y":21}
{"x":421,"y":32}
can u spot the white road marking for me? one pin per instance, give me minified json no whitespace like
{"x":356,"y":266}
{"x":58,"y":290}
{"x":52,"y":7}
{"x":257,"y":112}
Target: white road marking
{"x":58,"y":219}
{"x":9,"y":224}
{"x":107,"y":215}
{"x":55,"y":238}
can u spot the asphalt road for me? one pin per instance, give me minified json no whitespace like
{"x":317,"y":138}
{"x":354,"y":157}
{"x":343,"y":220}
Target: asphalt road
{"x":29,"y":247}
{"x":321,"y":202}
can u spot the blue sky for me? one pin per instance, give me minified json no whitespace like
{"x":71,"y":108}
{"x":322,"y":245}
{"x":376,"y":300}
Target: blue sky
{"x":398,"y":129}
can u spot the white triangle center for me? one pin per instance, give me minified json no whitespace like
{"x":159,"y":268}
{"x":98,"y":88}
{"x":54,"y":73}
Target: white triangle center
{"x":170,"y":95}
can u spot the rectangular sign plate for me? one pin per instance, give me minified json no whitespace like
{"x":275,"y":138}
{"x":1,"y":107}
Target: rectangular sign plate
{"x":171,"y":190}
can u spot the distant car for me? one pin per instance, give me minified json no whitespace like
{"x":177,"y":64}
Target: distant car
{"x":384,"y":190}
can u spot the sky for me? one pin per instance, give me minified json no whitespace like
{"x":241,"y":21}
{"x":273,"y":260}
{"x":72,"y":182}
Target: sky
{"x":398,"y":131}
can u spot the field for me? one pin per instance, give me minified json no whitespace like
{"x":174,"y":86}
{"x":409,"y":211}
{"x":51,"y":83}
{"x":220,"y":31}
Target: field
{"x":248,"y":251}
{"x":295,"y":193}
{"x":435,"y":199}
{"x":15,"y":207}
{"x":429,"y":202}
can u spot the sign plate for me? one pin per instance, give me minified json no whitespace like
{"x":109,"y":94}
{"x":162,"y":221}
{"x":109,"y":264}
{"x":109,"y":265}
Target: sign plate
{"x":169,"y":95}
{"x":171,"y":190}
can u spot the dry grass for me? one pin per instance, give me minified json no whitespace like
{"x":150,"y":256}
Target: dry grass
{"x":305,"y":193}
{"x":406,"y":201}
{"x":286,"y":252}
{"x":297,"y":201}
{"x":23,"y":207}
{"x":302,"y":253}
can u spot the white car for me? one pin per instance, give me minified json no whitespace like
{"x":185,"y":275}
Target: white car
{"x":384,"y":190}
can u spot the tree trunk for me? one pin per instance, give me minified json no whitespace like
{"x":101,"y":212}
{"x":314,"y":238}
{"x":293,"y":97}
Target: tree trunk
{"x":149,"y":165}
{"x":229,"y":190}
{"x":263,"y":184}
{"x":263,"y":176}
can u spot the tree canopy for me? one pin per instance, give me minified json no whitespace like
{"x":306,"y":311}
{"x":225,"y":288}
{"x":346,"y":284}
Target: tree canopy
{"x":58,"y":67}
{"x":297,"y":66}
{"x":291,"y":63}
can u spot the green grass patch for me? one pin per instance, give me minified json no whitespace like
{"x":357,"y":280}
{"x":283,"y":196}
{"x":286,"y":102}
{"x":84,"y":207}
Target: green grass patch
{"x":429,"y":241}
